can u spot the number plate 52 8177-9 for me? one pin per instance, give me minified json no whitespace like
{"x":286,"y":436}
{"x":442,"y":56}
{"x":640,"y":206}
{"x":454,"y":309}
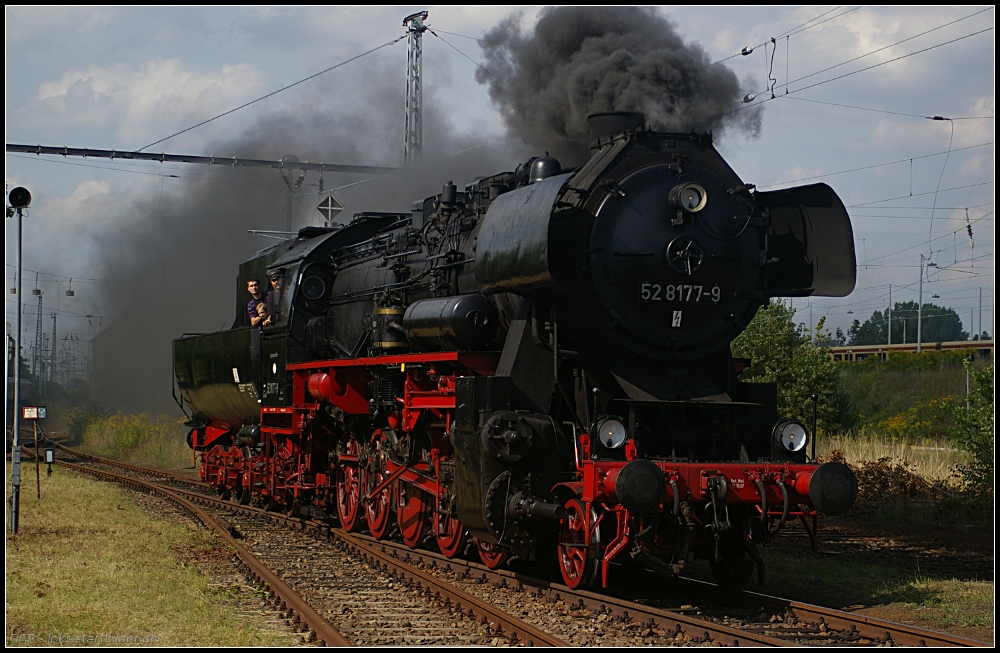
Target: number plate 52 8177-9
{"x":681,"y":292}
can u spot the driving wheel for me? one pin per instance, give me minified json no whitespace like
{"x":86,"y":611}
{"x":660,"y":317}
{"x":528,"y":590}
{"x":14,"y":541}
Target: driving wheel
{"x":349,"y":487}
{"x":412,"y":510}
{"x":579,"y":545}
{"x":379,"y":506}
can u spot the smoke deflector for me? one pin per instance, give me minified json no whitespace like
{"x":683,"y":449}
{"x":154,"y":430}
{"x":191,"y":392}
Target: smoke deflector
{"x":810,"y":243}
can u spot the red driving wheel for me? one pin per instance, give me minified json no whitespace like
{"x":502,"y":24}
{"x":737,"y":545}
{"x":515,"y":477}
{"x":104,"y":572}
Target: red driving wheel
{"x":579,"y":545}
{"x":349,"y":487}
{"x":379,"y":507}
{"x":492,"y":555}
{"x":449,"y":533}
{"x":411,"y":513}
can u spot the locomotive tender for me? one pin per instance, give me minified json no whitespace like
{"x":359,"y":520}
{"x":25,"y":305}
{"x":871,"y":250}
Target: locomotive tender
{"x":535,"y":366}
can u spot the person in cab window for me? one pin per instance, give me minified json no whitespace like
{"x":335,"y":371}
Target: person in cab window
{"x":273,"y":297}
{"x":260,"y":319}
{"x":256,"y":298}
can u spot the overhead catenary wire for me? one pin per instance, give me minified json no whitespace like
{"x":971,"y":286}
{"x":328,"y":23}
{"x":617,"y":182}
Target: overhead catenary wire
{"x":743,"y":106}
{"x":892,"y":45}
{"x":876,"y":165}
{"x":894,"y":113}
{"x":948,"y":235}
{"x":930,"y":229}
{"x":794,"y":30}
{"x":481,"y":66}
{"x":421,"y":164}
{"x":273,"y":93}
{"x":61,"y":276}
{"x":930,"y":192}
{"x":883,"y":63}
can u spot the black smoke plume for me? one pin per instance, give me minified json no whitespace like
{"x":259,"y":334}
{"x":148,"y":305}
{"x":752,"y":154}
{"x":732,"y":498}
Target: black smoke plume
{"x":175,"y":262}
{"x":579,"y":60}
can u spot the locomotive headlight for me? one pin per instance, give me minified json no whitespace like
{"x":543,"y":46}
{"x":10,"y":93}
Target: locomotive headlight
{"x":688,"y":197}
{"x":610,"y":431}
{"x":791,"y":435}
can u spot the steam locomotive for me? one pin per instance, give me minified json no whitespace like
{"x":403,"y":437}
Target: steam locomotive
{"x":535,"y":366}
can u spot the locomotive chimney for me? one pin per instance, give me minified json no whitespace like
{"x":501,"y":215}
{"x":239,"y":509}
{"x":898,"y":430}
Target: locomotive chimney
{"x":609,"y":123}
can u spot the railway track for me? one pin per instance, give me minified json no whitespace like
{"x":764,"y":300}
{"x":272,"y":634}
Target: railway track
{"x":707,"y":616}
{"x":384,"y":593}
{"x":361,"y":597}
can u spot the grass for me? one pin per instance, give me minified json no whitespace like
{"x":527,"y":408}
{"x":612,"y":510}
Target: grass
{"x":944,"y":604}
{"x":929,"y":458}
{"x":141,"y":439}
{"x":869,"y":586}
{"x":88,"y":562}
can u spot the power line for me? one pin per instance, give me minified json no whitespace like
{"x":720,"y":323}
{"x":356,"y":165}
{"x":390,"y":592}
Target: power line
{"x":903,"y":197}
{"x":897,"y":217}
{"x":417,"y":165}
{"x":930,"y":228}
{"x":794,"y":30}
{"x":895,"y":113}
{"x":474,"y":38}
{"x":910,"y":38}
{"x":285,"y":88}
{"x":922,"y":244}
{"x":943,"y":208}
{"x":877,"y":165}
{"x":481,"y":66}
{"x":855,"y":72}
{"x":860,"y":70}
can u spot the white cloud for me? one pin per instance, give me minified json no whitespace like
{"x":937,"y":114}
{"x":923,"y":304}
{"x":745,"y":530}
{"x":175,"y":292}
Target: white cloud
{"x":161,"y":95}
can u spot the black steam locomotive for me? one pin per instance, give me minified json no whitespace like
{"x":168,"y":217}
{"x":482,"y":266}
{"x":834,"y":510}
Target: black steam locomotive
{"x":535,"y":364}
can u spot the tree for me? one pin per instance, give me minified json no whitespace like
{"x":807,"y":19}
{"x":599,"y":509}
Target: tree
{"x":781,"y":353}
{"x":974,"y":432}
{"x":872,"y":332}
{"x":939,"y":325}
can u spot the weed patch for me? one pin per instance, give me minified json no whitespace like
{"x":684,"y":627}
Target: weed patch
{"x":159,"y":442}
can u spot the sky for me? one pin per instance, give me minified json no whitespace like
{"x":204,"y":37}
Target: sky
{"x":853,"y":90}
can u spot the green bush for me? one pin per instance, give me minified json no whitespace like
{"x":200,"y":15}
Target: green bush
{"x":974,"y":432}
{"x":781,"y":353}
{"x":80,"y":417}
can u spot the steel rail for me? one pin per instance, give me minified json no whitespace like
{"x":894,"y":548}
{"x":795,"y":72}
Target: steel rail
{"x":816,"y":616}
{"x":867,"y":627}
{"x":810,"y":616}
{"x":518,"y":631}
{"x":502,"y":623}
{"x":304,"y":613}
{"x":699,"y":630}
